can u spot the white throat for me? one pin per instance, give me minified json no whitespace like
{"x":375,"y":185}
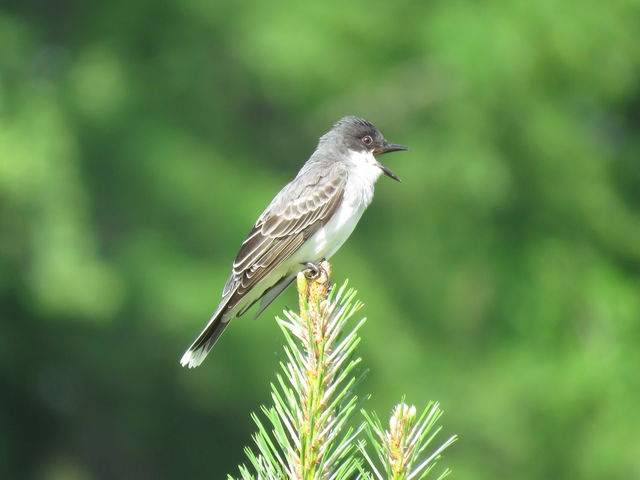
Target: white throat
{"x":363,"y":172}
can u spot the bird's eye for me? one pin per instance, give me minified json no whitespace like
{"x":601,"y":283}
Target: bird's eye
{"x":367,"y":140}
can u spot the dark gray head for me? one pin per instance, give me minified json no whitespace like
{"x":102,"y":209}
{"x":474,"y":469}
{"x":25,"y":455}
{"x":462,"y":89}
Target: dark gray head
{"x":357,"y":134}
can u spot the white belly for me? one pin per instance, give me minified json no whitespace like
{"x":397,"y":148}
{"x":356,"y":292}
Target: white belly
{"x":326,"y":241}
{"x":356,"y":198}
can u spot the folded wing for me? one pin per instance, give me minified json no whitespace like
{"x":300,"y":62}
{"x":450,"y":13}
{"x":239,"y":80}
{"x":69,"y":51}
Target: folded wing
{"x":294,"y":215}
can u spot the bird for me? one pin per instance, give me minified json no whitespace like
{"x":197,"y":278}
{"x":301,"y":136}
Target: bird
{"x":305,"y":223}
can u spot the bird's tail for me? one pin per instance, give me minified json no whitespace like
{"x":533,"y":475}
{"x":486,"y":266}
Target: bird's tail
{"x":199,"y":349}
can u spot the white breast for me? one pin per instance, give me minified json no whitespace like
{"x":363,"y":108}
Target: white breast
{"x":358,"y":193}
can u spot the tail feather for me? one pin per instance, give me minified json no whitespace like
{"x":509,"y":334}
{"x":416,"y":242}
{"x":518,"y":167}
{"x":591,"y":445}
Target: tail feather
{"x":198,"y":351}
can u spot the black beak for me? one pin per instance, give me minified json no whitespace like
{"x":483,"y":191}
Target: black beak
{"x":389,"y":147}
{"x":388,"y":172}
{"x":386,"y":148}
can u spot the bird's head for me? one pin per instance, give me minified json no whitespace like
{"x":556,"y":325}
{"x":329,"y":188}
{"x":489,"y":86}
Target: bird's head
{"x":359,"y":135}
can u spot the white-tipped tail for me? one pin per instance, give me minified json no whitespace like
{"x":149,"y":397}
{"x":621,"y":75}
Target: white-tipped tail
{"x":202,"y":345}
{"x":193,"y":358}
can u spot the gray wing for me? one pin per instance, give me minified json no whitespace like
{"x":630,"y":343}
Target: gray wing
{"x":295,"y":214}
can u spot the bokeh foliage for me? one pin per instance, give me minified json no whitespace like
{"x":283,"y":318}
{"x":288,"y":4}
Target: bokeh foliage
{"x":140,"y":140}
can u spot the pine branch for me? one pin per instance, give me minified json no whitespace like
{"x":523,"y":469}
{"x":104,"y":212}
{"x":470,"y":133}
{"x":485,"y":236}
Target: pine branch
{"x":400,"y":447}
{"x":306,"y":434}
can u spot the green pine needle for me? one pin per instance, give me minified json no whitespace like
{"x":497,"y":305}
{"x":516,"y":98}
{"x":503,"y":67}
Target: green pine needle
{"x":308,"y":432}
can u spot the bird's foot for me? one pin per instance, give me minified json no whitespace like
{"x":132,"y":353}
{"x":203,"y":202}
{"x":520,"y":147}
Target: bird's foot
{"x":314,"y":284}
{"x":313,"y":270}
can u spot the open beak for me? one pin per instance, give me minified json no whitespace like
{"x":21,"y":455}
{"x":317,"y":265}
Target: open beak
{"x":386,"y":148}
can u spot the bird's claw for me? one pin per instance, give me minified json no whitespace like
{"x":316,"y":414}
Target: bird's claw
{"x":313,"y":270}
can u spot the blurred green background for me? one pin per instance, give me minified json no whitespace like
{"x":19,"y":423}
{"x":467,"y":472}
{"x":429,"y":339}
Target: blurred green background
{"x":502,"y":277}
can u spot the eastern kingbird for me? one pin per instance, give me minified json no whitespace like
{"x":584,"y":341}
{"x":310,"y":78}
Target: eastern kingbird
{"x":308,"y":221}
